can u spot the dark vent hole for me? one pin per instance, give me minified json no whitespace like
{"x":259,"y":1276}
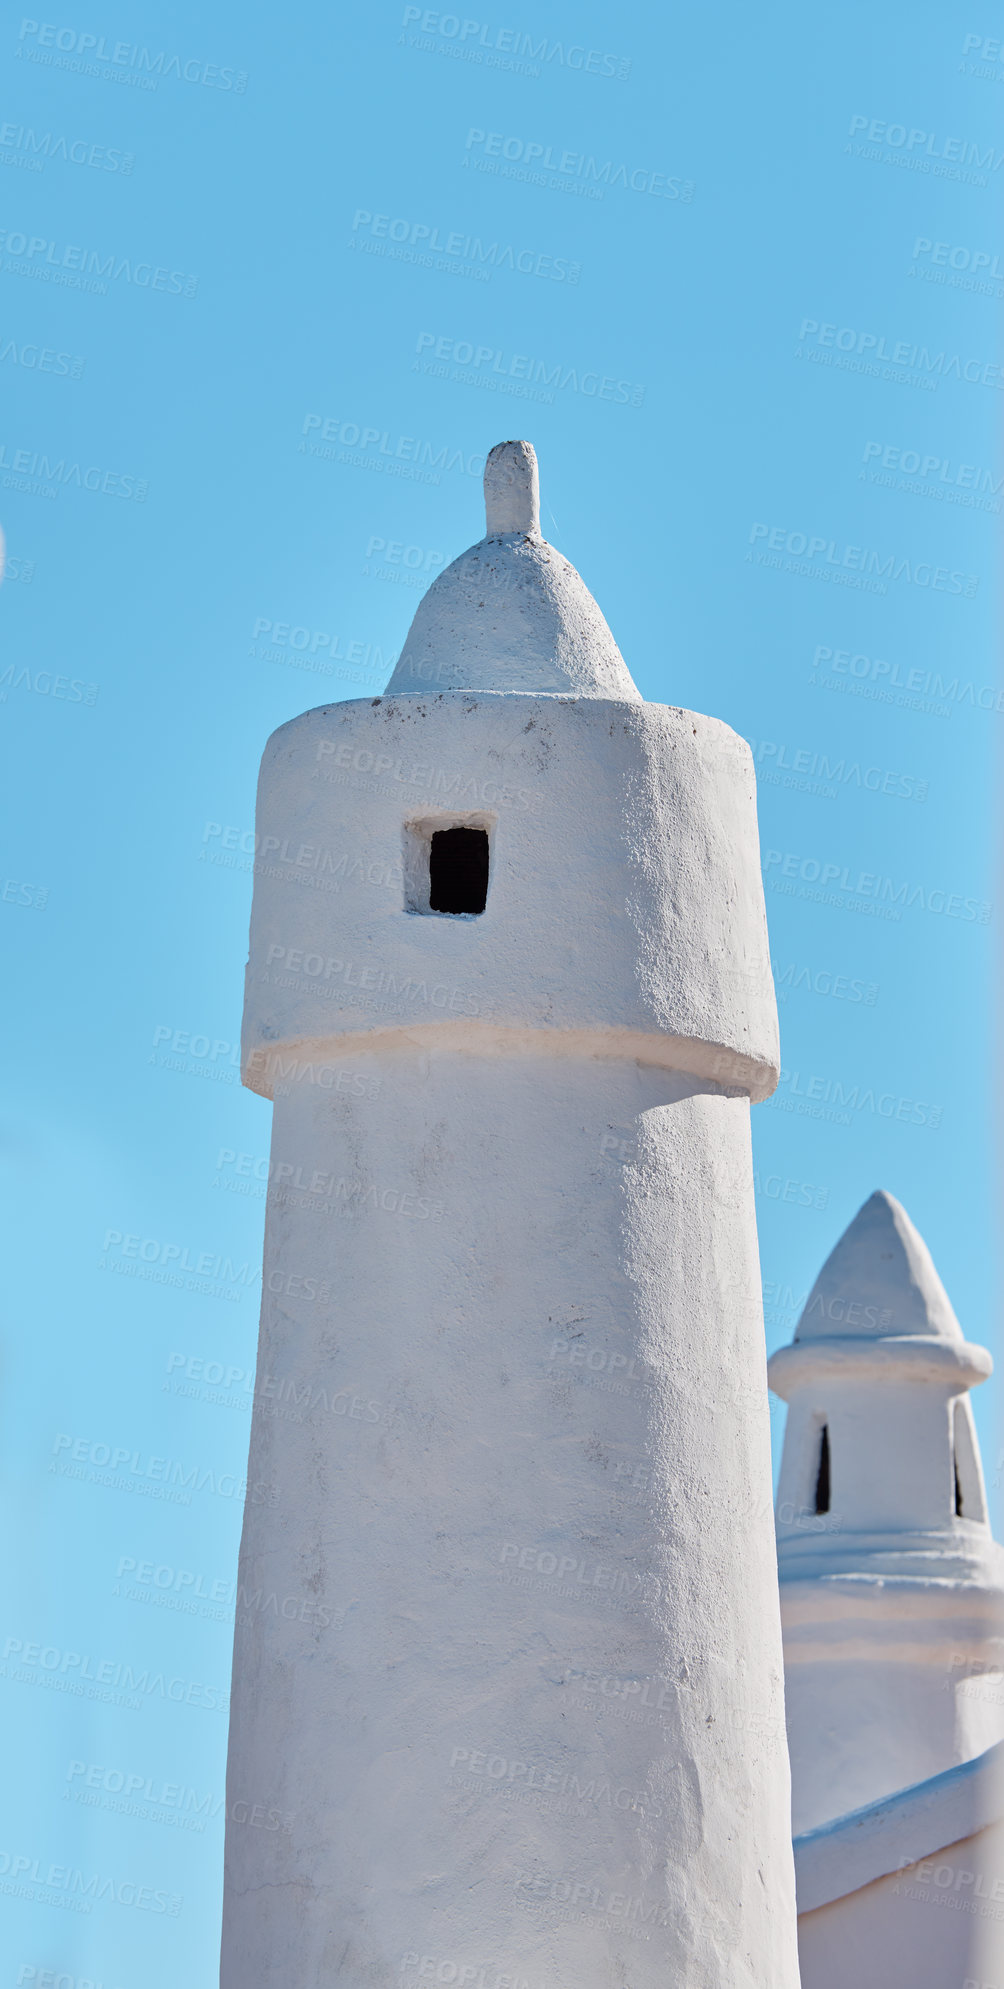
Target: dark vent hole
{"x":958,"y":1489}
{"x":458,"y":870}
{"x":823,"y":1474}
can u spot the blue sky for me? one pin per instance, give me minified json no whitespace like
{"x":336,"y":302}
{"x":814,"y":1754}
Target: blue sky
{"x":271,"y":288}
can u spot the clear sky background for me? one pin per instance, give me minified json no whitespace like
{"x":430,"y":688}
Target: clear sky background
{"x":704,"y":295}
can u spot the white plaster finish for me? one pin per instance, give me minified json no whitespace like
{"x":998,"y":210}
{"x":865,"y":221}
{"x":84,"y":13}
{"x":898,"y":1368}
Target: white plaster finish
{"x":879,"y":1278}
{"x":646,"y":1571}
{"x":901,"y":1830}
{"x":914,"y":1929}
{"x":892,"y":1603}
{"x":511,"y":614}
{"x":521,"y":1238}
{"x":625,"y":907}
{"x":909,"y":1893}
{"x":512,"y":489}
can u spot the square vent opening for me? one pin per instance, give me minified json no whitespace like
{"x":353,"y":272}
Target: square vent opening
{"x":447,"y":865}
{"x":458,"y":870}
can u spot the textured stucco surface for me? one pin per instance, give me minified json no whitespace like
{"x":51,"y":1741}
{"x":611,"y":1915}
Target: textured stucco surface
{"x":900,"y":1830}
{"x":881,"y":1270}
{"x":511,"y":614}
{"x":937,"y":1923}
{"x":543,"y":1545}
{"x":625,"y":894}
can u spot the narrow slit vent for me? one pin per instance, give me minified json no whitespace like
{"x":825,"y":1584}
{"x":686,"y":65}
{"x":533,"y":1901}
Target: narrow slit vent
{"x":823,"y":1473}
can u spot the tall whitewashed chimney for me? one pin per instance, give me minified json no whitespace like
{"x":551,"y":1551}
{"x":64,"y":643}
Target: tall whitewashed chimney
{"x":892,"y":1585}
{"x":507,"y":1668}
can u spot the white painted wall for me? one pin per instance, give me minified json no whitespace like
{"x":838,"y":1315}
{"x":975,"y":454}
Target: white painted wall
{"x":625,"y":908}
{"x":909,"y":1893}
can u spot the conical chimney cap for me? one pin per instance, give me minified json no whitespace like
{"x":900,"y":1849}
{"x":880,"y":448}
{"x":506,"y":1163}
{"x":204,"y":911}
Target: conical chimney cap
{"x":511,"y":614}
{"x":879,"y":1280}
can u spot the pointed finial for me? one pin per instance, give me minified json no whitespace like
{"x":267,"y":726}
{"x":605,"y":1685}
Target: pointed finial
{"x":512,"y":490}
